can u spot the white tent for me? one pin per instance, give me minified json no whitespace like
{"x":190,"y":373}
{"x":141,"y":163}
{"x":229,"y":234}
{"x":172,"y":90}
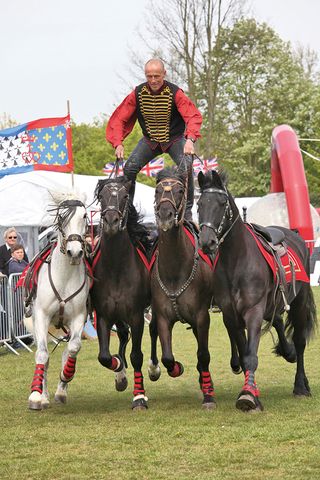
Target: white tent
{"x":25,"y":198}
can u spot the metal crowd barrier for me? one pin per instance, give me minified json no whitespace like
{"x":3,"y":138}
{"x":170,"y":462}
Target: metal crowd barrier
{"x":12,"y":328}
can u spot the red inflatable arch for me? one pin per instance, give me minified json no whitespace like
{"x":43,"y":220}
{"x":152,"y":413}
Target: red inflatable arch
{"x":288,"y":176}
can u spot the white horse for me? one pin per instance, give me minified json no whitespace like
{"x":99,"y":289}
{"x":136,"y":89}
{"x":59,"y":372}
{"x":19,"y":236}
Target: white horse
{"x":61,"y":297}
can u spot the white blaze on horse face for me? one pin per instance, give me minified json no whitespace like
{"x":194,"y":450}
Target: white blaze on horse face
{"x":76,"y":226}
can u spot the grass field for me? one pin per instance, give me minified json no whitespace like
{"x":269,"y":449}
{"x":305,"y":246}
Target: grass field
{"x":97,"y":436}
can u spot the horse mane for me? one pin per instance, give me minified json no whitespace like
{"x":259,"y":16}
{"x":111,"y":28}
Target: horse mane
{"x":172,"y":172}
{"x":138,"y":233}
{"x":59,"y":196}
{"x":214,"y":179}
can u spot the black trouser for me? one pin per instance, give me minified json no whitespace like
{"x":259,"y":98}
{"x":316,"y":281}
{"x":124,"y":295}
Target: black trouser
{"x":143,"y":153}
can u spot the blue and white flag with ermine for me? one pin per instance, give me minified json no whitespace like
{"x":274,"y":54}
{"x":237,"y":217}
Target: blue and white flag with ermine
{"x":43,"y":144}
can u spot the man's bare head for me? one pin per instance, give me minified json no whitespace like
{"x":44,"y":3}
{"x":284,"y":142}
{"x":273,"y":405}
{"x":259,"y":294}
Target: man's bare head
{"x":155,"y":73}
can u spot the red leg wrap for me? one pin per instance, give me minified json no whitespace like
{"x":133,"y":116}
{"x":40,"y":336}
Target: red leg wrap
{"x":69,"y":368}
{"x":206,"y":384}
{"x":37,"y":382}
{"x":115,"y":363}
{"x":250,"y":384}
{"x":138,"y":384}
{"x":176,"y":371}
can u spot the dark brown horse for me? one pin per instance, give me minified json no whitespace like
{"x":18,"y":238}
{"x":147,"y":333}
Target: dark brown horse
{"x":180,"y":282}
{"x":246,"y":288}
{"x":121,"y":290}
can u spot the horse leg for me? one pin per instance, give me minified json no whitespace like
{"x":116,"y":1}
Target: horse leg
{"x":140,"y":400}
{"x":283,"y":348}
{"x":113,"y":362}
{"x":234,"y":360}
{"x":69,"y":358}
{"x":206,"y":383}
{"x":174,"y":368}
{"x":121,"y":381}
{"x":248,"y":399}
{"x":302,"y":317}
{"x":154,"y":367}
{"x":39,"y":397}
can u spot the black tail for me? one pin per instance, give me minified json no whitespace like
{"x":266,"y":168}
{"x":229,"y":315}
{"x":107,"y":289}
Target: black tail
{"x":305,"y":308}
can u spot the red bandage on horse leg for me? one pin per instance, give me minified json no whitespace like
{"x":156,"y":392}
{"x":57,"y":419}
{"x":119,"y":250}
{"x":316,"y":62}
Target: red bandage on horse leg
{"x":37,"y":382}
{"x":69,"y":368}
{"x":206,"y":384}
{"x":138,"y":384}
{"x":250,"y":384}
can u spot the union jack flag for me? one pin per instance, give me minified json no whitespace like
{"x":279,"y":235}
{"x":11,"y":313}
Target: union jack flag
{"x":151,"y":169}
{"x":204,"y":165}
{"x":110,"y":167}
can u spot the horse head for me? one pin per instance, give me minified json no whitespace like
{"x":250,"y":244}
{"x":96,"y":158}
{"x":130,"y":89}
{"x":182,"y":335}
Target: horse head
{"x":113,"y":195}
{"x":71,"y":224}
{"x":215,"y":209}
{"x":170,"y":197}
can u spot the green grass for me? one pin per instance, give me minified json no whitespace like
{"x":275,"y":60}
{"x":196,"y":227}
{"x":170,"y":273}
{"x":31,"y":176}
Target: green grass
{"x":97,"y":436}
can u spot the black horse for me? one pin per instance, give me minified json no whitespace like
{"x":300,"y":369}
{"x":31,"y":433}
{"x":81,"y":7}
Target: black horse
{"x":121,"y":289}
{"x":246,"y":288}
{"x":180,"y":281}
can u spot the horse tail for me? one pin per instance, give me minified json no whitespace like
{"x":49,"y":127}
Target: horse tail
{"x":302,"y":314}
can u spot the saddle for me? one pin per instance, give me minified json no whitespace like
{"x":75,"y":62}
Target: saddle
{"x":273,"y":241}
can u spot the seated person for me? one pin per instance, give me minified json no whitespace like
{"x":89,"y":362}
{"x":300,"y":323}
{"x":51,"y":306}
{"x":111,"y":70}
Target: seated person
{"x":17,"y":263}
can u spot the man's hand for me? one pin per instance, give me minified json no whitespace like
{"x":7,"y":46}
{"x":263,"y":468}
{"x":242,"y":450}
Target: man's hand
{"x":188,"y":147}
{"x":119,"y":152}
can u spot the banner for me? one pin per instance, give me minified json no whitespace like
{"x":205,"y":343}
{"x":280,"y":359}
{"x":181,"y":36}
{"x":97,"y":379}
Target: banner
{"x":43,"y":144}
{"x":204,"y":165}
{"x":151,"y":169}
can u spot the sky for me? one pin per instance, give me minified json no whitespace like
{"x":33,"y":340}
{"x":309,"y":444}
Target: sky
{"x":78,"y":50}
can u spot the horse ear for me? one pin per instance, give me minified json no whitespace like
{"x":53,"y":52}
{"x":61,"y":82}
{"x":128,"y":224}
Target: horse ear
{"x":201,"y":179}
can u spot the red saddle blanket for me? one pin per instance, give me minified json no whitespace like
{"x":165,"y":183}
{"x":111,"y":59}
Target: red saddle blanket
{"x":149,"y":263}
{"x":35,"y":267}
{"x":141,"y":252}
{"x":290,"y":256}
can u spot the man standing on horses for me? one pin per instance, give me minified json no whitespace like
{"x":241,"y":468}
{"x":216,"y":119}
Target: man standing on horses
{"x":169,"y":120}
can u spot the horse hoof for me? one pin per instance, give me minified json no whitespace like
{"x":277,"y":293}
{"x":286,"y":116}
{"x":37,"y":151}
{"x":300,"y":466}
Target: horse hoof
{"x":177,"y":370}
{"x":248,"y":403}
{"x":302,"y":395}
{"x":209,"y":404}
{"x":139,"y":404}
{"x":45,"y":404}
{"x":122,"y":384}
{"x":236,"y":370}
{"x":154,"y":371}
{"x":60,"y":398}
{"x":35,"y":406}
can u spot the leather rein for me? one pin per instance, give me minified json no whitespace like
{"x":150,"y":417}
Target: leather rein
{"x":227,"y":214}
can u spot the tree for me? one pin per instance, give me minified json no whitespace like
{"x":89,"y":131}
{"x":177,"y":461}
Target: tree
{"x":6,"y":121}
{"x":261,"y":85}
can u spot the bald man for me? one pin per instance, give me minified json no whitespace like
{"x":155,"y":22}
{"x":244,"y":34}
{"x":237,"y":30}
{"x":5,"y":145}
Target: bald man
{"x":169,"y":120}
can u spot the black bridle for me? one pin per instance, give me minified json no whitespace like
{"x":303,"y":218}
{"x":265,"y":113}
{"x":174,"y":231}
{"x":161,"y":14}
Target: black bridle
{"x":227,"y":216}
{"x":167,"y":196}
{"x":114,"y":189}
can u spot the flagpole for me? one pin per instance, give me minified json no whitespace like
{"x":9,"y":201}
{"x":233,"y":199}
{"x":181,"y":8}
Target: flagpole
{"x":72,"y":172}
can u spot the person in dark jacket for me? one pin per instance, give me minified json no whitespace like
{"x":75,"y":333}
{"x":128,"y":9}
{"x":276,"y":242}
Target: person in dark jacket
{"x":10,"y":237}
{"x":169,"y":120}
{"x":17,"y":263}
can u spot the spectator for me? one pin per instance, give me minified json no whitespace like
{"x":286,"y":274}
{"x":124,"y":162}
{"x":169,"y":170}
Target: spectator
{"x":10,"y":237}
{"x":17,"y":263}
